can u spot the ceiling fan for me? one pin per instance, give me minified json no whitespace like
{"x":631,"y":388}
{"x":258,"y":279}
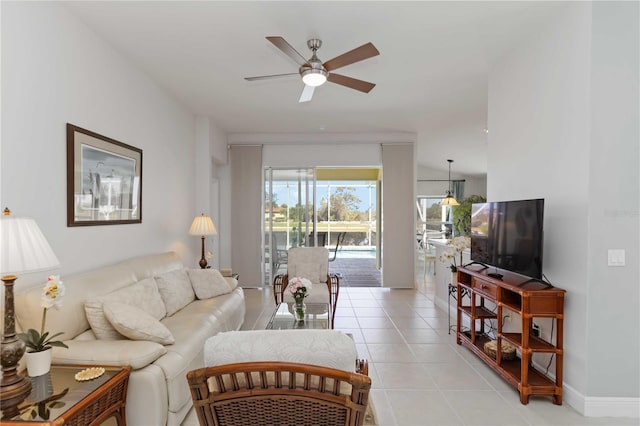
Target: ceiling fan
{"x":314,"y":72}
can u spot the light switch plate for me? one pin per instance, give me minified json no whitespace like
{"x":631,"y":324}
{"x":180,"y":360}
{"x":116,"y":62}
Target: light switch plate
{"x":615,"y":257}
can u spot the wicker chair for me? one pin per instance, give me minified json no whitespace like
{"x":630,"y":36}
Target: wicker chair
{"x":281,"y":377}
{"x":278,"y":393}
{"x":311,"y":263}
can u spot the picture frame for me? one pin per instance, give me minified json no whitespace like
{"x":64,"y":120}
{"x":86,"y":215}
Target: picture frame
{"x":104,"y":180}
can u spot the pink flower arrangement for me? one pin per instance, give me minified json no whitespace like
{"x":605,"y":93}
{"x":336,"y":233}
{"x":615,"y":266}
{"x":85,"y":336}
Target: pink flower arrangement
{"x":299,"y":287}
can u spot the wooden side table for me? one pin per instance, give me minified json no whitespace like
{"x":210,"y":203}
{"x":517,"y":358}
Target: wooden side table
{"x":58,"y":399}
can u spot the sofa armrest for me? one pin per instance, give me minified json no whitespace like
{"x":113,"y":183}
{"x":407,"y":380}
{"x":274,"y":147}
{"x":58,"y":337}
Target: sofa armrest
{"x":136,"y":353}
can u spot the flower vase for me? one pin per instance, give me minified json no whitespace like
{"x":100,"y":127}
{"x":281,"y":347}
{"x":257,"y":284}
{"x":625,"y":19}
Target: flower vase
{"x":299,"y":310}
{"x":38,"y":363}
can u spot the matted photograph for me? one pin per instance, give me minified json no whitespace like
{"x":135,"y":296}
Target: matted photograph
{"x":104,"y":180}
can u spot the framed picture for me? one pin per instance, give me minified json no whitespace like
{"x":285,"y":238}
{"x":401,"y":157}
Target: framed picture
{"x":104,"y":180}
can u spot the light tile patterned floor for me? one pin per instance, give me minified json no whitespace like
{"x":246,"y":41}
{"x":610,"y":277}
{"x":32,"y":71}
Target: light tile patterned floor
{"x":420,"y":376}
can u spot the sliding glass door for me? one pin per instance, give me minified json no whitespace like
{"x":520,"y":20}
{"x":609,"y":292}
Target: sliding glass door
{"x":306,"y":207}
{"x":289,"y":199}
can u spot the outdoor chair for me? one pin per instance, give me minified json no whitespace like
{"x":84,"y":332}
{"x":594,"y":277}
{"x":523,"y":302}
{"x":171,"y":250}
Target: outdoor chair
{"x":278,"y":254}
{"x":339,"y":242}
{"x":311,"y":263}
{"x":281,"y":377}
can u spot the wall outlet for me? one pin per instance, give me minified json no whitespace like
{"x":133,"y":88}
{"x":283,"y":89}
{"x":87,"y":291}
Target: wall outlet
{"x":535,"y":330}
{"x":616,"y":257}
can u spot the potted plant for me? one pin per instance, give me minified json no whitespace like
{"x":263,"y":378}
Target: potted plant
{"x":39,"y":344}
{"x":462,"y":214}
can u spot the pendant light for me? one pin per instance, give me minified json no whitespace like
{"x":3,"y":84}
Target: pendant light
{"x":449,"y":200}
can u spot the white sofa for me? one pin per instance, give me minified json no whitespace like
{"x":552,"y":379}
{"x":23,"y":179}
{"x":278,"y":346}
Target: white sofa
{"x":158,"y":392}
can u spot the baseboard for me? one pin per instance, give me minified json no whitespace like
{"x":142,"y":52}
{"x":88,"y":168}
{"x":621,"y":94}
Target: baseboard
{"x":442,"y":304}
{"x":588,"y":406}
{"x":611,"y":407}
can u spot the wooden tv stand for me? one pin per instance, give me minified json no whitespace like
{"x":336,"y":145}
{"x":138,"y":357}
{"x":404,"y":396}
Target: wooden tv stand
{"x":478,"y":292}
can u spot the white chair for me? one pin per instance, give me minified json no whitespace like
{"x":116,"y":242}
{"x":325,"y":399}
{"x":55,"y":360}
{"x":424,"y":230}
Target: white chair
{"x":429,"y":254}
{"x":311,"y":263}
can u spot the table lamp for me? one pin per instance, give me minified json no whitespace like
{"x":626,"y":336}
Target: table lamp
{"x":23,"y":249}
{"x":202,"y":225}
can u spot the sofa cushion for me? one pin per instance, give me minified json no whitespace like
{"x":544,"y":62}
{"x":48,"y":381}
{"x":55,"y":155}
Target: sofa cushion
{"x":191,"y":329}
{"x":143,"y":294}
{"x":327,"y":348}
{"x":175,"y":289}
{"x":208,"y":283}
{"x":233,"y":283}
{"x":136,"y":353}
{"x":136,"y":324}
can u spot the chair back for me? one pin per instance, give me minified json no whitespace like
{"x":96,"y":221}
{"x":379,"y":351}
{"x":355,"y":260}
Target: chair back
{"x":311,"y":263}
{"x":278,"y":393}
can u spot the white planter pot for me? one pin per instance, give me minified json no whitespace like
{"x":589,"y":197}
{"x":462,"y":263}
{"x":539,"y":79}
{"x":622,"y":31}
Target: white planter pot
{"x":38,"y":363}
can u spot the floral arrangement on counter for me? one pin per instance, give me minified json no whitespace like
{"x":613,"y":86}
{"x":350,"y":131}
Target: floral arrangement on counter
{"x":455,"y":248}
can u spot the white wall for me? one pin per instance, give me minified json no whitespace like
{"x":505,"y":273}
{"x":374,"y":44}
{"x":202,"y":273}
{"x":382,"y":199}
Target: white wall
{"x":54,"y":71}
{"x":614,"y":201}
{"x":560,"y":133}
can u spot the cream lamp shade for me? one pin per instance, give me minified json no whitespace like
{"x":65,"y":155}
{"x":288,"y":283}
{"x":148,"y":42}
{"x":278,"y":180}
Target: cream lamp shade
{"x":202,"y":225}
{"x":23,"y":249}
{"x":449,"y":200}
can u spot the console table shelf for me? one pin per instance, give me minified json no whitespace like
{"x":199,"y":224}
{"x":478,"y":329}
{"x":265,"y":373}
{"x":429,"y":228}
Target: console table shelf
{"x":527,"y":299}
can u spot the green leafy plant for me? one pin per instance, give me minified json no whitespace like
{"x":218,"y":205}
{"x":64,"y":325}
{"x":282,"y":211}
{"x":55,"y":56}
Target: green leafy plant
{"x":51,"y":298}
{"x":462,"y":214}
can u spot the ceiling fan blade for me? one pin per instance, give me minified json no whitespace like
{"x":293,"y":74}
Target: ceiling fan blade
{"x":307,"y":93}
{"x":361,"y":53}
{"x":282,"y":44}
{"x":352,"y":83}
{"x":266,"y":77}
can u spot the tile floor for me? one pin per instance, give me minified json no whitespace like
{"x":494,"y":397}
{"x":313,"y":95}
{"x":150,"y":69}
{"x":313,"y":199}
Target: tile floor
{"x":420,"y":376}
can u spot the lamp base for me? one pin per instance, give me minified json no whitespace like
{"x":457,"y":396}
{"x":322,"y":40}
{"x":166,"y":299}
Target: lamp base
{"x":12,"y":395}
{"x":203,"y":260}
{"x":203,"y":263}
{"x":13,"y":388}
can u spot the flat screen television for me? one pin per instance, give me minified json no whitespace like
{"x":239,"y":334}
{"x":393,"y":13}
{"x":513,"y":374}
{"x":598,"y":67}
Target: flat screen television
{"x":508,"y":235}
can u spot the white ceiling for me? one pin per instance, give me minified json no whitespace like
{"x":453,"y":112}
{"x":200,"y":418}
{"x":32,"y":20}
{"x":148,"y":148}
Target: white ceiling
{"x":431,"y":75}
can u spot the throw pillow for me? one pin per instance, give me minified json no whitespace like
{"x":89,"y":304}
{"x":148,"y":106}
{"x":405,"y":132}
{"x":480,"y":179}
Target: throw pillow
{"x":208,"y":283}
{"x":136,"y":324}
{"x":143,"y":294}
{"x":175,"y":290}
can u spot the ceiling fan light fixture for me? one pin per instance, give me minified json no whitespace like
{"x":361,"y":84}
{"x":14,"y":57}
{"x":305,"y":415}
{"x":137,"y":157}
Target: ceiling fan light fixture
{"x":314,"y":77}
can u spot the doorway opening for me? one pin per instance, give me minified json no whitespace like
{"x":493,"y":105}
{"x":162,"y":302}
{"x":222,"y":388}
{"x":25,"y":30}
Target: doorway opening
{"x":337,"y":208}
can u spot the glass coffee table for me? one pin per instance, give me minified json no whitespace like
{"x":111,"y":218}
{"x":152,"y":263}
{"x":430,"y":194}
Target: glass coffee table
{"x":318,"y":315}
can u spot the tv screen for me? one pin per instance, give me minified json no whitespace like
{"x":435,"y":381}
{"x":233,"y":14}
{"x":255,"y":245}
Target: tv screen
{"x":508,"y":235}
